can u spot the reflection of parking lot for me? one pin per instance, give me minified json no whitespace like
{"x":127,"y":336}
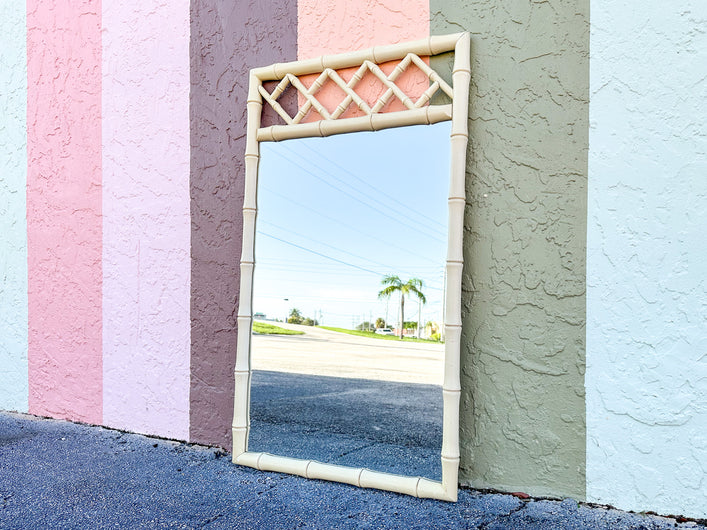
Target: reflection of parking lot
{"x":387,"y":426}
{"x":324,"y":352}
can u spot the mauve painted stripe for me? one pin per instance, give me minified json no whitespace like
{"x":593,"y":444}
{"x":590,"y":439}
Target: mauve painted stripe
{"x":13,"y":207}
{"x":146,"y":225}
{"x":64,"y":208}
{"x":227,"y":39}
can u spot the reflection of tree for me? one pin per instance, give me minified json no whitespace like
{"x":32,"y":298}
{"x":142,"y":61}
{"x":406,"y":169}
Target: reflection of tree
{"x":432,"y":329}
{"x":297,"y":318}
{"x":380,"y":323}
{"x":411,"y":287}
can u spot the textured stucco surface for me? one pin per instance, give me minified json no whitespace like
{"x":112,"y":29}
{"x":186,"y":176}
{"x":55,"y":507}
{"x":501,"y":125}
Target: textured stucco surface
{"x":227,"y":39}
{"x":522,"y":409}
{"x":647,"y":258}
{"x":64,"y":208}
{"x":146,"y":224}
{"x":339,"y":26}
{"x":13,"y":206}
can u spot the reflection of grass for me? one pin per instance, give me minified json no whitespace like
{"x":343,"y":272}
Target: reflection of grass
{"x":373,"y":335}
{"x":269,"y":329}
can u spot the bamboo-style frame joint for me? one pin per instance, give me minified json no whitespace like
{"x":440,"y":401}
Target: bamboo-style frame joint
{"x":416,"y":113}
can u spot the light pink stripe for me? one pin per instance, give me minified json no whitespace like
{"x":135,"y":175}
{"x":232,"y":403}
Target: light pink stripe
{"x":146,"y":227}
{"x":338,"y":26}
{"x":64,"y":208}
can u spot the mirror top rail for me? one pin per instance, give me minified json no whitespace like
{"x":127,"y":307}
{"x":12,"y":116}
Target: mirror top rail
{"x":418,"y":109}
{"x":433,"y":45}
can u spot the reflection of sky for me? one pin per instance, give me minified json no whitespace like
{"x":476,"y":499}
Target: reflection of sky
{"x":336,"y":214}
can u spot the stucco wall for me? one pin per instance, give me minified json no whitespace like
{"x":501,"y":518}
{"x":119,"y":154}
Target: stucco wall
{"x":13,"y":220}
{"x":120,"y":285}
{"x":64,"y":208}
{"x":225,"y":44}
{"x":339,"y":26}
{"x":647,"y":258}
{"x":522,"y":410}
{"x":146,"y":223}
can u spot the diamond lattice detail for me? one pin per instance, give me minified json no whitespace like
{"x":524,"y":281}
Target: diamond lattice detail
{"x":310,"y":101}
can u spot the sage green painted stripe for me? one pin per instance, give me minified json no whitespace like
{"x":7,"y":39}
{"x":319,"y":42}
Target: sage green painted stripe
{"x":523,"y":352}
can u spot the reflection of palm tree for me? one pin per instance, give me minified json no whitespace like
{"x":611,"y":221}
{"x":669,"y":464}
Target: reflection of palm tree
{"x":394,"y":284}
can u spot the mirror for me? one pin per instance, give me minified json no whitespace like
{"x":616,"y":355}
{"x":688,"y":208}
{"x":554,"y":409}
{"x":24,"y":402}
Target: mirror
{"x":371,"y":377}
{"x":350,"y":250}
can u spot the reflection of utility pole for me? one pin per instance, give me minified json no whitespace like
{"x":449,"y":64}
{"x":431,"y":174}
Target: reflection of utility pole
{"x":442,"y":328}
{"x":370,"y":317}
{"x":400,"y":316}
{"x":387,"y":301}
{"x":419,"y":316}
{"x":287,"y":309}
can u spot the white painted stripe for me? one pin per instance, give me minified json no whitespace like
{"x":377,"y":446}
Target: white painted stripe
{"x":646,"y":376}
{"x":13,"y":207}
{"x":146,"y":223}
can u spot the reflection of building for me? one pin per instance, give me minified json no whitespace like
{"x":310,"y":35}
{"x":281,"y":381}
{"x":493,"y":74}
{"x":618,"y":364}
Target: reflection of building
{"x":407,"y":332}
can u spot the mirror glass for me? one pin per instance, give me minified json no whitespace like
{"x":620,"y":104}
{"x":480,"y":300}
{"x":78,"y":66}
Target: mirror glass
{"x":350,"y":253}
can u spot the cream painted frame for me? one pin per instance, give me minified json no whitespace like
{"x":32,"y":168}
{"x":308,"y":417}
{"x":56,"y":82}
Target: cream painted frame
{"x":458,"y":113}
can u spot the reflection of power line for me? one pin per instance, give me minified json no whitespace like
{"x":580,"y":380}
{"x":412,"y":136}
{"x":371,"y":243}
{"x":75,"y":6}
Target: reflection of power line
{"x":384,"y":205}
{"x":320,"y":254}
{"x":324,"y":244}
{"x":319,"y":282}
{"x":353,"y":229}
{"x":393,"y":199}
{"x":324,"y":299}
{"x":263,"y":269}
{"x":300,"y":270}
{"x":307,"y":263}
{"x":367,"y":301}
{"x":381,"y":212}
{"x":288,"y":231}
{"x":325,"y":256}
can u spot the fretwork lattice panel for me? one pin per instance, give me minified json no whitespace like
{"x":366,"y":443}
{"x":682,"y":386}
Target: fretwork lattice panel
{"x":354,"y":92}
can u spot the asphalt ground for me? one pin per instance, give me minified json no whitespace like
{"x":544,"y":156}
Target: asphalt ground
{"x":57,"y":474}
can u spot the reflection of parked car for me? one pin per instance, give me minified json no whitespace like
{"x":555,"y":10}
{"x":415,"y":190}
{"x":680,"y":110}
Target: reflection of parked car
{"x":384,"y":331}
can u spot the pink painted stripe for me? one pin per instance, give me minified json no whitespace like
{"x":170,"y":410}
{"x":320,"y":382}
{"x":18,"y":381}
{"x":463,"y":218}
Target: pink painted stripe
{"x":64,"y":208}
{"x":146,"y":224}
{"x":338,"y":26}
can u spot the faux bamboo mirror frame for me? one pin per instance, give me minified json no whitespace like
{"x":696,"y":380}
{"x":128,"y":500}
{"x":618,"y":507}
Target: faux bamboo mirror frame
{"x":417,"y":113}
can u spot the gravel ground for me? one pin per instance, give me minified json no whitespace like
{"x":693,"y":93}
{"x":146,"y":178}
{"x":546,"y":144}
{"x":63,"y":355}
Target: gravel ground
{"x":56,"y":474}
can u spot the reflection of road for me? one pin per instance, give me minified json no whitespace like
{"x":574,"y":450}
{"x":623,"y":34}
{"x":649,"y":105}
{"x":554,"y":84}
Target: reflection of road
{"x":324,"y":352}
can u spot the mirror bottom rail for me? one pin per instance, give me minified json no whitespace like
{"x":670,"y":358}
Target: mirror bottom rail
{"x":361,"y":477}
